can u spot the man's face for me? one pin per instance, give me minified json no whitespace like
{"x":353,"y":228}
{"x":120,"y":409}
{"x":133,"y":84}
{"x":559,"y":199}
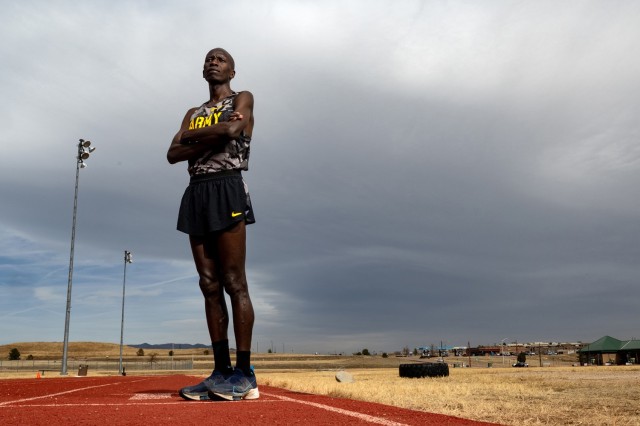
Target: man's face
{"x":218,"y":66}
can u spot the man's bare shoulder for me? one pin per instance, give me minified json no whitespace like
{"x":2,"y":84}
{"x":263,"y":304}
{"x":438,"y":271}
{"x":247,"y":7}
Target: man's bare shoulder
{"x":245,"y":94}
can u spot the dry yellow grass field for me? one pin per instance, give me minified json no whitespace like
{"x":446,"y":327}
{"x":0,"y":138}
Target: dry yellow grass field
{"x":525,"y":396}
{"x":555,"y":395}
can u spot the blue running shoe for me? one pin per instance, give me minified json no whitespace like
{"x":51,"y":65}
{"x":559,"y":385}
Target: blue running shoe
{"x":200,"y":392}
{"x":238,"y":386}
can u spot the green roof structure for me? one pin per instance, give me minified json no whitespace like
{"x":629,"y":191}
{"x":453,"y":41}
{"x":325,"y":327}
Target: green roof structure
{"x":608,"y":344}
{"x":630,"y":345}
{"x":608,"y":350}
{"x":603,"y":344}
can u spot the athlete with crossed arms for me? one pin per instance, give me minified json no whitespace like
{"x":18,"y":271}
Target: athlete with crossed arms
{"x":214,"y":139}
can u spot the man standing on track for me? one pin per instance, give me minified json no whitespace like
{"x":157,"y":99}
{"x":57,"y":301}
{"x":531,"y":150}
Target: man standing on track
{"x":215,"y":139}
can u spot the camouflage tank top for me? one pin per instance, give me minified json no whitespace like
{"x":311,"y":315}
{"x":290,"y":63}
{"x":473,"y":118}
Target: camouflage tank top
{"x":234,"y":155}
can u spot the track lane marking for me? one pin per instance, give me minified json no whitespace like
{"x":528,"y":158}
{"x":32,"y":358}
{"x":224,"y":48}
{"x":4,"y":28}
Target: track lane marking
{"x":365,"y":417}
{"x":142,"y":404}
{"x":2,"y":404}
{"x":145,"y":396}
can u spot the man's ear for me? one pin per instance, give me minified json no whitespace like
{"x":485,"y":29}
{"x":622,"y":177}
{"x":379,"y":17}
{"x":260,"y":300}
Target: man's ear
{"x":233,"y":74}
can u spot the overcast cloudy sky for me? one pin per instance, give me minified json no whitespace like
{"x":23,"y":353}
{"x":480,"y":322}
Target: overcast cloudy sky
{"x":421,"y":171}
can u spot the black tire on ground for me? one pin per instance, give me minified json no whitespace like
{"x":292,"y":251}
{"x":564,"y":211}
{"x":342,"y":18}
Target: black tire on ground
{"x":427,"y":369}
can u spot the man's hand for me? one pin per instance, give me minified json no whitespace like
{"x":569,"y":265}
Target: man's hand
{"x":235,"y":116}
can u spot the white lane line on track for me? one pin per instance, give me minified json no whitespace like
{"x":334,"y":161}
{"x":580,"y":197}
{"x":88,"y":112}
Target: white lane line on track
{"x":145,"y":396}
{"x":139,"y":404}
{"x":59,"y":393}
{"x":365,"y":417}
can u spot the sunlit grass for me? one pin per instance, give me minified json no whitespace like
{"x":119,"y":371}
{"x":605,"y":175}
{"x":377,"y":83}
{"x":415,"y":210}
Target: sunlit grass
{"x":551,"y":396}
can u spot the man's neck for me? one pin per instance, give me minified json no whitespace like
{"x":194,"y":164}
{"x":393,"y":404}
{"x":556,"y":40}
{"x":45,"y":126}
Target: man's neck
{"x":219,"y":91}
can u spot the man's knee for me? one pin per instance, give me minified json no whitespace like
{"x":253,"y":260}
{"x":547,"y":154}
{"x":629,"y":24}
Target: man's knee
{"x":235,"y":283}
{"x":209,"y":285}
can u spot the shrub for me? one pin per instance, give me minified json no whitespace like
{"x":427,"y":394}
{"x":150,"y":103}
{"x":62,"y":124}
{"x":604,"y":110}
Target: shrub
{"x":140,"y":352}
{"x":14,"y":354}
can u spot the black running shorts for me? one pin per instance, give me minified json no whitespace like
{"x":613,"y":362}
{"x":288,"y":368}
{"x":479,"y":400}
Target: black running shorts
{"x":213,"y":202}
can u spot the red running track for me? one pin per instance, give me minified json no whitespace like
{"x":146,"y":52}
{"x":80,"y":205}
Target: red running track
{"x":140,"y":400}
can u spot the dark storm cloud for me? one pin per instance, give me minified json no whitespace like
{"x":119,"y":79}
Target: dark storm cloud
{"x":418,"y":174}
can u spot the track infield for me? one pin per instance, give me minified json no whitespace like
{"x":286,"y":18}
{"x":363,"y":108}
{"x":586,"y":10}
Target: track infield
{"x":139,"y":400}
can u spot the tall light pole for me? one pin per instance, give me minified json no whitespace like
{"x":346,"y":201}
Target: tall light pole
{"x":127,"y":259}
{"x":502,"y":349}
{"x":84,"y":149}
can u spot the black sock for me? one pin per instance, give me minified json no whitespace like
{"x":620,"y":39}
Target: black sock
{"x":243,"y":361}
{"x":221,"y":357}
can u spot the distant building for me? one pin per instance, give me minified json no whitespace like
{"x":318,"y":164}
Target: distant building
{"x":608,"y":349}
{"x":485,"y":350}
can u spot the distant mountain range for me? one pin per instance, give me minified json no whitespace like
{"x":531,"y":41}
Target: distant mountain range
{"x":171,"y":346}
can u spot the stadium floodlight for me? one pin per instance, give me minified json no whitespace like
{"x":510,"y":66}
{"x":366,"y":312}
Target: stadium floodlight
{"x":83,"y":154}
{"x":127,"y":259}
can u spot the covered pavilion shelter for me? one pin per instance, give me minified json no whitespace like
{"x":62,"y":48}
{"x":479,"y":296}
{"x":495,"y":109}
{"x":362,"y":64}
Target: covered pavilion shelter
{"x":609,"y":350}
